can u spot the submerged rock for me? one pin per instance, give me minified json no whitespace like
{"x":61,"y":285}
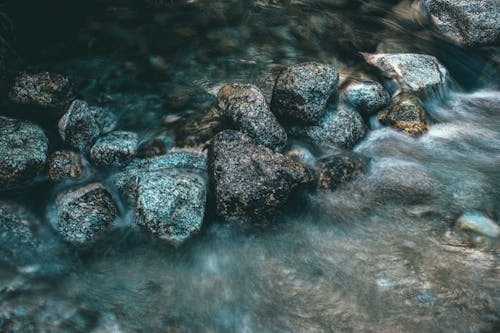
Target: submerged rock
{"x":43,"y":89}
{"x":302,"y":91}
{"x":341,"y":127}
{"x":114,"y":149}
{"x":468,"y":22}
{"x":247,"y":109}
{"x":81,"y":125}
{"x":339,"y":168}
{"x":300,"y":153}
{"x":420,"y":74}
{"x":406,"y":114}
{"x":65,"y":164}
{"x":367,"y":97}
{"x":168,"y":193}
{"x":23,"y":152}
{"x":479,"y":223}
{"x":251,"y":181}
{"x":82,"y":213}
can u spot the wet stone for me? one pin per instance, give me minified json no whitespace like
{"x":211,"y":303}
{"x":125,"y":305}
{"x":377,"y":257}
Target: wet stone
{"x":367,"y":97}
{"x":405,"y":114}
{"x":336,"y":169}
{"x":341,"y":127}
{"x":65,"y":164}
{"x":423,"y":75}
{"x":23,"y":152}
{"x":168,"y":193}
{"x":251,"y":182}
{"x":302,"y":91}
{"x":43,"y":89}
{"x":478,"y":223}
{"x":114,"y":149}
{"x":82,"y":213}
{"x":81,"y":125}
{"x":247,"y":109}
{"x":468,"y":22}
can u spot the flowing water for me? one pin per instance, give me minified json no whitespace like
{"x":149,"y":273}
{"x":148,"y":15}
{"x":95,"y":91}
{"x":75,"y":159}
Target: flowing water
{"x":379,"y":254}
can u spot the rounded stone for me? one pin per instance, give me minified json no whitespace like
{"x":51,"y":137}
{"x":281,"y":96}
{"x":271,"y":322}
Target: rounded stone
{"x":23,"y":152}
{"x":302,"y":91}
{"x":367,"y":97}
{"x":65,"y":164}
{"x":405,"y":114}
{"x":336,"y":169}
{"x":114,"y":149}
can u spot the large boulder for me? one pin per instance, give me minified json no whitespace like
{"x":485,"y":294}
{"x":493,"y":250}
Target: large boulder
{"x":302,"y":91}
{"x":43,"y":89}
{"x":82,"y":124}
{"x":168,"y":193}
{"x":65,"y":164}
{"x":251,"y":181}
{"x":82,"y":213}
{"x":406,"y":114}
{"x":114,"y":149}
{"x":468,"y":22}
{"x":367,"y":97}
{"x":23,"y":152}
{"x":341,"y":126}
{"x":247,"y":109}
{"x":420,"y":74}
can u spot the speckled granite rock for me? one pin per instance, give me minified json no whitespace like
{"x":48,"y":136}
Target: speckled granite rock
{"x":168,"y":193}
{"x":246,"y":108}
{"x":65,"y":164}
{"x":81,"y":125}
{"x":420,"y":74}
{"x":43,"y":89}
{"x":251,"y":181}
{"x":23,"y":152}
{"x":406,"y":114}
{"x":341,"y":126}
{"x":367,"y":97}
{"x":339,"y":168}
{"x":114,"y":149}
{"x":468,"y":22}
{"x":82,"y":213}
{"x":301,"y":92}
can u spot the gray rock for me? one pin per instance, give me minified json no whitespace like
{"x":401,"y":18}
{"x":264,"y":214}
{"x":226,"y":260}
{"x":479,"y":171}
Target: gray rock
{"x":114,"y":149}
{"x":82,"y":213}
{"x":479,"y":223}
{"x":367,"y":97}
{"x":420,"y":74}
{"x":168,"y":193}
{"x":65,"y":164}
{"x":43,"y":89}
{"x":247,"y":109}
{"x":405,"y":114}
{"x":468,"y":22}
{"x":341,"y":127}
{"x":23,"y":152}
{"x":81,"y":125}
{"x":251,"y":181}
{"x":339,"y":168}
{"x":301,"y":92}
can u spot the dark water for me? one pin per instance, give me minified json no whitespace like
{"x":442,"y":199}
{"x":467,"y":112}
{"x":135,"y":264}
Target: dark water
{"x":380,"y":254}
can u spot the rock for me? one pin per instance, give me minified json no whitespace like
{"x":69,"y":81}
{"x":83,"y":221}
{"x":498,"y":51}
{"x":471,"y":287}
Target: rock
{"x":82,"y":213}
{"x":251,"y":181}
{"x":420,"y":74}
{"x":478,"y":223}
{"x":301,"y":154}
{"x":168,"y":193}
{"x":155,"y":146}
{"x":114,"y":149}
{"x":43,"y":89}
{"x":301,"y":92}
{"x":198,"y":130}
{"x":23,"y":152}
{"x":246,"y":107}
{"x":65,"y":164}
{"x":405,"y":114}
{"x":339,"y":168}
{"x":81,"y":125}
{"x":468,"y":22}
{"x":366,"y":97}
{"x":341,"y":127}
